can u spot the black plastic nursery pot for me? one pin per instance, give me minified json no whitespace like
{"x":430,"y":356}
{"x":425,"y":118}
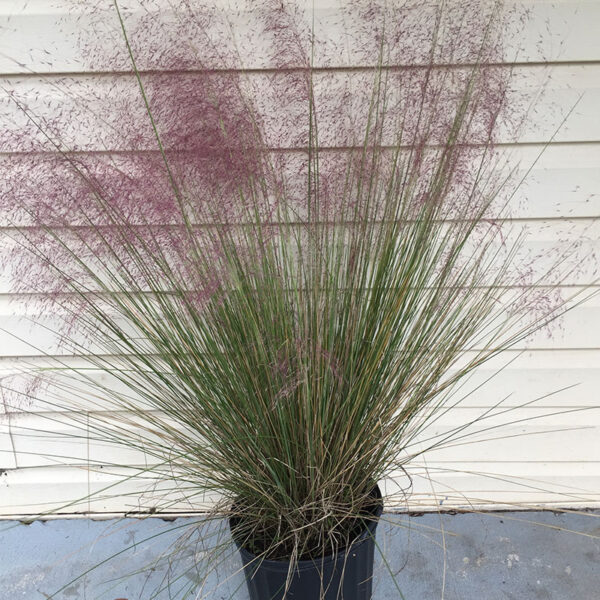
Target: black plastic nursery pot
{"x":347,"y":575}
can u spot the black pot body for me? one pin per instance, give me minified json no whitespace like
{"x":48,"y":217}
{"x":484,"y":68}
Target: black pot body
{"x":344,"y":576}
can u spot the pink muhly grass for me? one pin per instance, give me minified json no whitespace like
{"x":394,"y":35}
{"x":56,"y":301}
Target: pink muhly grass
{"x":263,"y":213}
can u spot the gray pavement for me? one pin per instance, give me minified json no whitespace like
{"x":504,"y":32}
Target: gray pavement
{"x":492,"y":556}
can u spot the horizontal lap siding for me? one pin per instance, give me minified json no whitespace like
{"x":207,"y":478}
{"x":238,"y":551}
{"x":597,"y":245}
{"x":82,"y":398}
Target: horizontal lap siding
{"x":551,"y":460}
{"x":55,"y":99}
{"x":32,"y":29}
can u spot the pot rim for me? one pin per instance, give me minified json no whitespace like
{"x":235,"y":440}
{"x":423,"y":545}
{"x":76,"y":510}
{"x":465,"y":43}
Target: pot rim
{"x":276,"y":564}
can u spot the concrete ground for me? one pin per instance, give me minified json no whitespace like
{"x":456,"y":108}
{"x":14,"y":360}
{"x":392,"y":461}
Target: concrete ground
{"x":492,"y":556}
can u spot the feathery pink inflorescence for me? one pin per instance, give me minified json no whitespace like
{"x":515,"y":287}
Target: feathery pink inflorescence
{"x":229,"y":94}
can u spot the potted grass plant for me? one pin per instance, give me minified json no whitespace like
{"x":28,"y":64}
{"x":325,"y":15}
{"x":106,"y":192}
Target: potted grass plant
{"x":273,"y":328}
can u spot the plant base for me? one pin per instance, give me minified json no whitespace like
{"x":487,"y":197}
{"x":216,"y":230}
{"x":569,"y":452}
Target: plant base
{"x":347,"y":575}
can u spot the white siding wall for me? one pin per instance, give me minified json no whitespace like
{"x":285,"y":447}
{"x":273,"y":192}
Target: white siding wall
{"x":553,"y":460}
